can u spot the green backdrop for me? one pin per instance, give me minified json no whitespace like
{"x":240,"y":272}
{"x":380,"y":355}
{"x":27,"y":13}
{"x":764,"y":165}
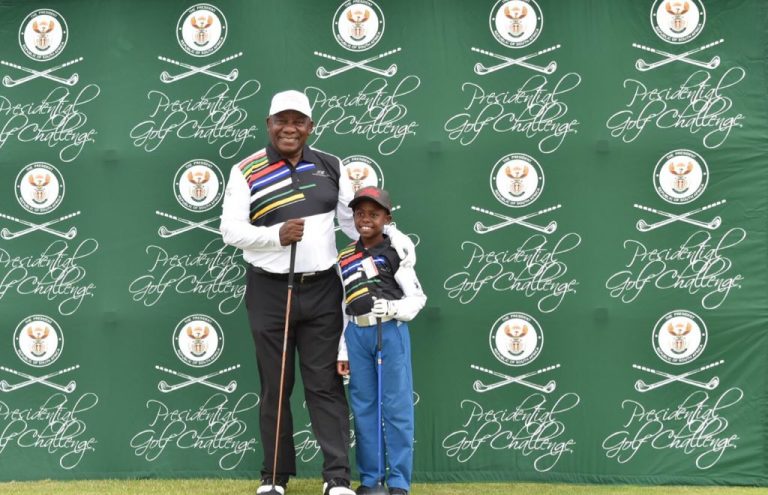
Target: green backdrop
{"x":586,"y":182}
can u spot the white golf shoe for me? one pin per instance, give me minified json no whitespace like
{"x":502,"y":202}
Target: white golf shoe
{"x":337,"y":486}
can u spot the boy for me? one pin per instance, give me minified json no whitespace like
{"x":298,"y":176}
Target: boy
{"x":377,"y":286}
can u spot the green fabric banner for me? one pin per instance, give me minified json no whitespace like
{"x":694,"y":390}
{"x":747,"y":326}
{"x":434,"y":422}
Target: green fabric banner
{"x":585,"y":182}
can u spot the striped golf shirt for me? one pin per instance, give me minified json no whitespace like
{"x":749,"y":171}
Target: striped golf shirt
{"x":265,"y":190}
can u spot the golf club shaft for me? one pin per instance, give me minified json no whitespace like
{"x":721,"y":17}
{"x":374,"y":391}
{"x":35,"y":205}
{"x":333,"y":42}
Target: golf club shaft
{"x":291,"y":268}
{"x":379,"y":442}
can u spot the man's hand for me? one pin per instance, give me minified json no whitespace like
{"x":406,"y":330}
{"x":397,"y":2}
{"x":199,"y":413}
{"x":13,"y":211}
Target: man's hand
{"x":291,"y":231}
{"x":403,"y":245}
{"x":342,"y":368}
{"x":383,"y":307}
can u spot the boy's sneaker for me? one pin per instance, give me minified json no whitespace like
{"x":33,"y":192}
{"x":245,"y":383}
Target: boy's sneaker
{"x":363,"y":490}
{"x":266,"y":485}
{"x":398,"y":491}
{"x":337,"y":486}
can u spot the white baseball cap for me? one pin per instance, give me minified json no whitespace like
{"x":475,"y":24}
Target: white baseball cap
{"x":290,"y":100}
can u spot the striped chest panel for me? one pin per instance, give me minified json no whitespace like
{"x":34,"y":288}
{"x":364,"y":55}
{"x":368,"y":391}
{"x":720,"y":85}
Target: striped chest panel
{"x":358,"y":286}
{"x":280,"y":192}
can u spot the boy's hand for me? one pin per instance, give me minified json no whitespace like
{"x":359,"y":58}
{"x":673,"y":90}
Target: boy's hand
{"x":383,"y":307}
{"x":342,"y":368}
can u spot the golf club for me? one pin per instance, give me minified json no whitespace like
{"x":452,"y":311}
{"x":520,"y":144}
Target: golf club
{"x":273,"y":490}
{"x":379,"y":489}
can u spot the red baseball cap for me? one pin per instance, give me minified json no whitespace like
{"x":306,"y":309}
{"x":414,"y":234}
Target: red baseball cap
{"x":378,"y":196}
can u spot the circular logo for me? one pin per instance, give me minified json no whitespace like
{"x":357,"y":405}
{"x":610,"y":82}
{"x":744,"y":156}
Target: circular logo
{"x":43,"y":34}
{"x":680,"y":176}
{"x":38,"y":340}
{"x":362,"y":172}
{"x":516,"y":23}
{"x":677,"y":21}
{"x":198,"y":185}
{"x":358,"y":25}
{"x":202,"y":30}
{"x":198,"y":340}
{"x":517,"y":180}
{"x":679,"y":337}
{"x":39,"y":188}
{"x":516,"y":339}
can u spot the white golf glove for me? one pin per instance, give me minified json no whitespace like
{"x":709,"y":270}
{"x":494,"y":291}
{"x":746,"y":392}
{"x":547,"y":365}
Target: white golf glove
{"x":383,"y":307}
{"x":402,"y":244}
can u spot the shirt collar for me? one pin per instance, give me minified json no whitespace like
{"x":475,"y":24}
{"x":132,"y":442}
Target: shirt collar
{"x":378,"y":248}
{"x":307,"y":155}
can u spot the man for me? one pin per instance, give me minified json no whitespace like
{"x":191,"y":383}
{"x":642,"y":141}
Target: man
{"x":288,"y":193}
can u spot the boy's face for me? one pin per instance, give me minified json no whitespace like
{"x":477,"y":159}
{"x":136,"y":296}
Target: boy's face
{"x":370,"y":219}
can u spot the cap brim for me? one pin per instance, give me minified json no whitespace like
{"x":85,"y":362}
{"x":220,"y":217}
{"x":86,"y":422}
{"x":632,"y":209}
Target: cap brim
{"x":360,"y":199}
{"x":301,"y":111}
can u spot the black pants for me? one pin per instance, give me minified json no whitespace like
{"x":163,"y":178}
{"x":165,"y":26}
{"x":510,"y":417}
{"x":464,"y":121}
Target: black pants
{"x":316,"y":324}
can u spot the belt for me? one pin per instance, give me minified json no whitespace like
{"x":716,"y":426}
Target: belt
{"x":368,"y":320}
{"x":301,"y":278}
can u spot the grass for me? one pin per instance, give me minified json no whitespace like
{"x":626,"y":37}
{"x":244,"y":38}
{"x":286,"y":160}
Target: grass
{"x":312,"y":487}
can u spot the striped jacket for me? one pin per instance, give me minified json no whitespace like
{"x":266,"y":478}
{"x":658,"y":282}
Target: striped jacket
{"x":359,"y":287}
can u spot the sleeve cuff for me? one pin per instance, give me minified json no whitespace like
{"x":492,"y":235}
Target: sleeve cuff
{"x":273,"y":235}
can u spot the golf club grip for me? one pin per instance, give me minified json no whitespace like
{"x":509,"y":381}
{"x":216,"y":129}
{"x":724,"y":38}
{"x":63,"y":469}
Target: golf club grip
{"x":292,"y":265}
{"x":376,"y":294}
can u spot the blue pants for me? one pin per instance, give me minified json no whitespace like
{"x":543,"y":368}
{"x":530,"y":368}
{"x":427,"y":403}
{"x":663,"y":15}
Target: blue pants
{"x":397,"y":409}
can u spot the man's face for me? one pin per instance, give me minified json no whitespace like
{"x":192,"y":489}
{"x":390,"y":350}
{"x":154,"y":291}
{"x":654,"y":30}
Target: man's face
{"x":288,"y":131}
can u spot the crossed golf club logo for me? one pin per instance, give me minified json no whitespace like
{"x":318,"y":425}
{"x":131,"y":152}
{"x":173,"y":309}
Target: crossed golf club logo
{"x":358,"y":26}
{"x":643,"y":66}
{"x":482,"y":69}
{"x":516,"y":339}
{"x":10,"y":82}
{"x":515,"y":24}
{"x":168,"y":78}
{"x":548,"y":388}
{"x":42,"y":36}
{"x":165,"y":232}
{"x":42,"y":380}
{"x":679,"y":337}
{"x":677,"y":22}
{"x":38,"y":341}
{"x":201,"y":31}
{"x":481,"y":228}
{"x":680,"y":177}
{"x":230,"y":387}
{"x":198,"y":187}
{"x":198,"y":342}
{"x":643,"y":226}
{"x":711,"y":384}
{"x":324,"y":73}
{"x":39,"y":189}
{"x":517,"y":180}
{"x":8,"y":234}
